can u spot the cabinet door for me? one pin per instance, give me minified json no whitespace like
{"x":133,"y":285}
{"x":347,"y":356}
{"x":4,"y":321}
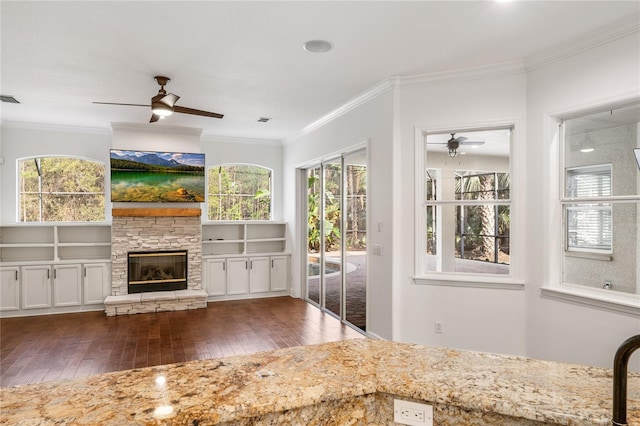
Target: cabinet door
{"x":238,"y":278}
{"x":67,"y":289}
{"x":96,"y":283}
{"x":216,"y":276}
{"x":9,"y":289}
{"x":36,"y":287}
{"x":279,"y":273}
{"x":259,"y":271}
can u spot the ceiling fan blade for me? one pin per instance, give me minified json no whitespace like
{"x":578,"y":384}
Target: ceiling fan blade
{"x":472,"y":143}
{"x":460,"y":139}
{"x":154,"y":118}
{"x":169,"y":99}
{"x":185,"y":110}
{"x":115,"y":103}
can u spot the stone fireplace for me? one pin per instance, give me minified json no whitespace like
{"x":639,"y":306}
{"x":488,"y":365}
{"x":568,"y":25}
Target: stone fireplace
{"x":135,"y":234}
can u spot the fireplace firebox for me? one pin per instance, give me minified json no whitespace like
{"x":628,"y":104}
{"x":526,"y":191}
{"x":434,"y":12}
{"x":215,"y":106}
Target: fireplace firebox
{"x":157,"y":271}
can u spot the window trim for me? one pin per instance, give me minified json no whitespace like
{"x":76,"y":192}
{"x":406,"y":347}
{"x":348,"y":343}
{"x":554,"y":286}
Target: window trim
{"x":554,"y":288}
{"x":271,"y":197}
{"x":511,"y":281}
{"x":105,"y":193}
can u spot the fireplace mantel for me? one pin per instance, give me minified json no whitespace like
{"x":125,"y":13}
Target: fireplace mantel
{"x":145,"y":212}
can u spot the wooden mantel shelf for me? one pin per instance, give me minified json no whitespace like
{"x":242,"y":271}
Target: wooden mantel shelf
{"x":139,"y":212}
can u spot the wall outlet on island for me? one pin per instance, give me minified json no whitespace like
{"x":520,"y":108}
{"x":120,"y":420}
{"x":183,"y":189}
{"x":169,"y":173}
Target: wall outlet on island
{"x":412,"y":413}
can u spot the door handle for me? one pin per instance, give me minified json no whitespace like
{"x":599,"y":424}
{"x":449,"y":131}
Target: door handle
{"x":55,"y":274}
{"x":16,"y":275}
{"x":48,"y":273}
{"x":246,"y":265}
{"x":224,"y":266}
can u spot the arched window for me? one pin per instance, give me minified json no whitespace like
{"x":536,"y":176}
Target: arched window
{"x":60,"y":189}
{"x":239,"y":192}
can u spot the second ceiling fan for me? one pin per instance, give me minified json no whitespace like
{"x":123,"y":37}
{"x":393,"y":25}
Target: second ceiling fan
{"x":454,"y":143}
{"x":164,"y":104}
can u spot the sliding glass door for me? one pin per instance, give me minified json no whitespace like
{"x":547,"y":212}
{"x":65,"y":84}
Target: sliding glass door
{"x":336,"y":262}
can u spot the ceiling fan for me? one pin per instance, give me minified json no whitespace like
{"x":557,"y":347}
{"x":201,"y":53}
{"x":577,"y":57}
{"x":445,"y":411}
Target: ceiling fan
{"x":164,"y":104}
{"x":454,"y":143}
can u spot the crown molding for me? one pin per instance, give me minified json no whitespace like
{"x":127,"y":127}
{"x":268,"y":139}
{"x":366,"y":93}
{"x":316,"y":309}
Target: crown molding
{"x":367,"y":95}
{"x":390,"y":83}
{"x":599,"y":37}
{"x":237,"y":140}
{"x":55,"y":127}
{"x":452,"y":76}
{"x":150,"y":128}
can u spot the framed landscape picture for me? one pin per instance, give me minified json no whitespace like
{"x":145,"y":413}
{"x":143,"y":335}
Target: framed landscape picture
{"x":150,"y":176}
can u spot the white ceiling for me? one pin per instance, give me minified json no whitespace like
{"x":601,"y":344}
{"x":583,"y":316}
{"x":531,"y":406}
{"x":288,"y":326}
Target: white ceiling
{"x":245,"y":59}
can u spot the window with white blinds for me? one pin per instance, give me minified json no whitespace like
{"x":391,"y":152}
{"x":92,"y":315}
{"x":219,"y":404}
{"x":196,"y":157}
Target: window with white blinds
{"x":589,"y":225}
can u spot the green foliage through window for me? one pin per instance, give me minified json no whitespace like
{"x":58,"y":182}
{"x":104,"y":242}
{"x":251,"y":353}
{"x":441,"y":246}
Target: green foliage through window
{"x":61,"y":189}
{"x":239,"y":192}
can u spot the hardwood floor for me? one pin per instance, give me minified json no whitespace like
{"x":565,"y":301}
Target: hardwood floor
{"x":53,"y":347}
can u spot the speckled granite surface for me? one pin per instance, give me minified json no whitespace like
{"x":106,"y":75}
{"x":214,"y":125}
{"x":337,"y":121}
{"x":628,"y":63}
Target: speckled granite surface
{"x":343,"y":383}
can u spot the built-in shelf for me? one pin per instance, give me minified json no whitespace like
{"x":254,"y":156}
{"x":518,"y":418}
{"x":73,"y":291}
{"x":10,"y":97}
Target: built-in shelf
{"x":223,"y":239}
{"x":54,"y":242}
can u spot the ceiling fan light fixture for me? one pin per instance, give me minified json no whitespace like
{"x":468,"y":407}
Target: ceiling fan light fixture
{"x":161,"y":110}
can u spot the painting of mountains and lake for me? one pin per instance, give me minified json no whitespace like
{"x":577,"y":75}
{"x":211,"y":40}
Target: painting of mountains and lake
{"x":149,"y":176}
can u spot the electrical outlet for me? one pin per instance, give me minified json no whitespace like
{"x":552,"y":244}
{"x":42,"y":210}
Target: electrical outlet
{"x":438,"y":327}
{"x":412,"y":413}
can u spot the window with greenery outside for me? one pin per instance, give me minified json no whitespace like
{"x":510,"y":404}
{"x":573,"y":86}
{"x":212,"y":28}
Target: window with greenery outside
{"x":61,"y":189}
{"x":239,"y":192}
{"x":466,"y":203}
{"x":355,"y":206}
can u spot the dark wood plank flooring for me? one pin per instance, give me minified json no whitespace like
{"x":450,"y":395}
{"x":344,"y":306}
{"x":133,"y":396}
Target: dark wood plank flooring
{"x":53,"y":347}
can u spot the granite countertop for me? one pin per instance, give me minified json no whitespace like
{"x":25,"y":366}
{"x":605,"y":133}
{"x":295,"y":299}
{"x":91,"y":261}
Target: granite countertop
{"x":248,"y":386}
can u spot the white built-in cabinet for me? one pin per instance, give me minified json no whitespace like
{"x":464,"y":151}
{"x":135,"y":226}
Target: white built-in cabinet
{"x":279,"y":273}
{"x":215,"y":273}
{"x":238,"y":275}
{"x":245,"y":260}
{"x":9,"y":288}
{"x":50,"y":268}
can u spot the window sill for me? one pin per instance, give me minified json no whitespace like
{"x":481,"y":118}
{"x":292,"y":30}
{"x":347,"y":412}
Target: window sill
{"x":589,"y":255}
{"x":490,"y":282}
{"x":595,"y":298}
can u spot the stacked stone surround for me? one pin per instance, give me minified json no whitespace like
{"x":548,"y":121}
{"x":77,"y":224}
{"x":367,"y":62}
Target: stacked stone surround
{"x":157,"y":301}
{"x":155,"y":233}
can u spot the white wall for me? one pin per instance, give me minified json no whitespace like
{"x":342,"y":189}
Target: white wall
{"x":521,"y":321}
{"x":370,"y":123}
{"x":20,"y":140}
{"x":559,"y":330}
{"x":261,"y":152}
{"x":473,"y":318}
{"x":23,"y":140}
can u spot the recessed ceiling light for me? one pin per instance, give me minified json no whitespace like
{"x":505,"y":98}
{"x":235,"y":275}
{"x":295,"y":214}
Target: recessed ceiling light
{"x":317,"y":46}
